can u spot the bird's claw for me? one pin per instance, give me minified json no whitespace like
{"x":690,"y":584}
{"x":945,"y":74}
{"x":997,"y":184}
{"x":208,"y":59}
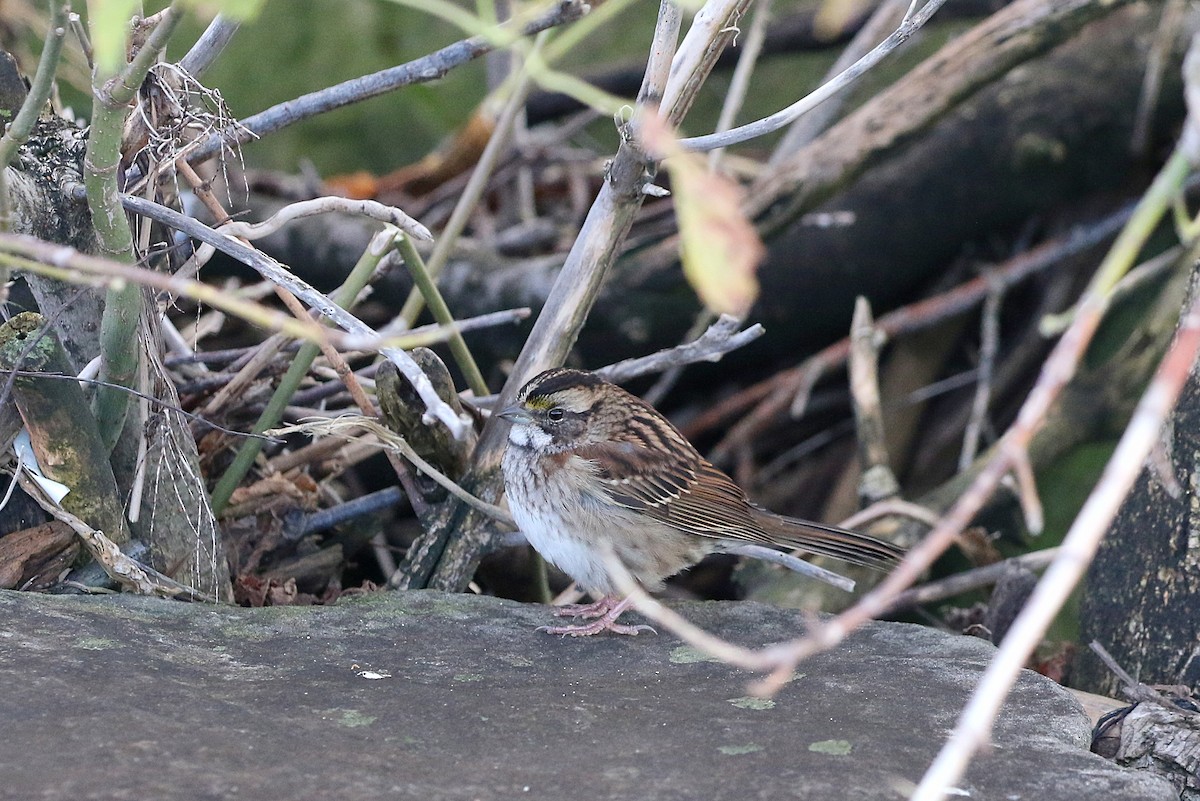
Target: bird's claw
{"x":586,"y":611}
{"x":596,"y":627}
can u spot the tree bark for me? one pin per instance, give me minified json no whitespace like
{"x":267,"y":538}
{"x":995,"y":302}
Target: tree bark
{"x":1142,"y":597}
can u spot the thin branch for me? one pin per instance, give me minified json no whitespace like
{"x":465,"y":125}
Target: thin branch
{"x":1169,"y":25}
{"x":727,"y":652}
{"x":275,"y":272}
{"x":968,"y":580}
{"x":885,"y":18}
{"x":210,"y":44}
{"x":389,"y":215}
{"x":739,"y":84}
{"x":424,"y":283}
{"x":720,"y":338}
{"x":427,"y":68}
{"x":782,"y":118}
{"x":877,"y":481}
{"x":1027,"y":494}
{"x":989,"y":346}
{"x":793,"y":563}
{"x":891,"y":507}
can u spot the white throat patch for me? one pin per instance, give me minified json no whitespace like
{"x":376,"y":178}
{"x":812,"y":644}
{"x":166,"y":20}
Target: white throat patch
{"x":528,"y":436}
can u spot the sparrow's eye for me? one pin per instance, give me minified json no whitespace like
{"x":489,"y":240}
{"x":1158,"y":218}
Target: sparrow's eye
{"x":555,"y":414}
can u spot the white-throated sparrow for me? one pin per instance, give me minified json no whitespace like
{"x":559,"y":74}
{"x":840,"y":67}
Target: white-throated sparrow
{"x":588,"y":463}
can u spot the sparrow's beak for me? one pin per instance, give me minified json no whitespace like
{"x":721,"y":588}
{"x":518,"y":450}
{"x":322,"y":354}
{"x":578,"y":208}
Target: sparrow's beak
{"x":516,"y":415}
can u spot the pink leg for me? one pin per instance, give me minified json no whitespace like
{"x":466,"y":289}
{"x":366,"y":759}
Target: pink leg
{"x":605,"y":621}
{"x":587,"y":611}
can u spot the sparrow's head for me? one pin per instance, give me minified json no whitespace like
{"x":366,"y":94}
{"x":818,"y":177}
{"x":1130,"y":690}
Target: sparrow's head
{"x":561,"y":409}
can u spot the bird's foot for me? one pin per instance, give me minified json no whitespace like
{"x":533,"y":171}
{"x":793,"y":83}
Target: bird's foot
{"x":606,"y":611}
{"x":588,"y":611}
{"x":596,"y":627}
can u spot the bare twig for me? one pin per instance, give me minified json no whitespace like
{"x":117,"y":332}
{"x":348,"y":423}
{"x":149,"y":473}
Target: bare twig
{"x":739,"y":84}
{"x":782,"y":118}
{"x":292,"y":212}
{"x":1169,"y":25}
{"x":886,"y":17}
{"x":878,"y":481}
{"x":210,"y":44}
{"x":989,"y":345}
{"x":721,"y":337}
{"x":1027,"y":494}
{"x":127,"y":572}
{"x":750,"y":659}
{"x":891,"y":507}
{"x":273,"y":271}
{"x":427,"y":68}
{"x":969,"y":580}
{"x":793,"y":563}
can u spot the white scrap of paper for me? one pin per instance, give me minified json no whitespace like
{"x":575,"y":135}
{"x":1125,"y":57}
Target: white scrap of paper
{"x":27,"y":460}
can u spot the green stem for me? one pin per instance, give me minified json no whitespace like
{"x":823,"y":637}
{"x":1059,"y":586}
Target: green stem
{"x":344,"y":296}
{"x":123,"y":302}
{"x":1145,"y":218}
{"x":474,"y":188}
{"x":22,"y":125}
{"x":441,"y":313}
{"x":1154,"y":204}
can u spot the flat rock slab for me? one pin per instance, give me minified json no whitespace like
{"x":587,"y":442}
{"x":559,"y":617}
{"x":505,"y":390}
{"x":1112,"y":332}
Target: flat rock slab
{"x":434,"y":696}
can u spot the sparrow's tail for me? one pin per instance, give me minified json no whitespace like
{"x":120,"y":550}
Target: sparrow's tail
{"x":838,"y":543}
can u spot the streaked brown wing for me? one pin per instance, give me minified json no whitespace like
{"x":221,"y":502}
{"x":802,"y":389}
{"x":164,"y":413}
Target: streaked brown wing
{"x":673,"y":484}
{"x":678,"y":487}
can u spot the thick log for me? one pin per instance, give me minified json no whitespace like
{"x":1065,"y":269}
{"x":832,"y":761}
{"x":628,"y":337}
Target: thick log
{"x":1142,"y":596}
